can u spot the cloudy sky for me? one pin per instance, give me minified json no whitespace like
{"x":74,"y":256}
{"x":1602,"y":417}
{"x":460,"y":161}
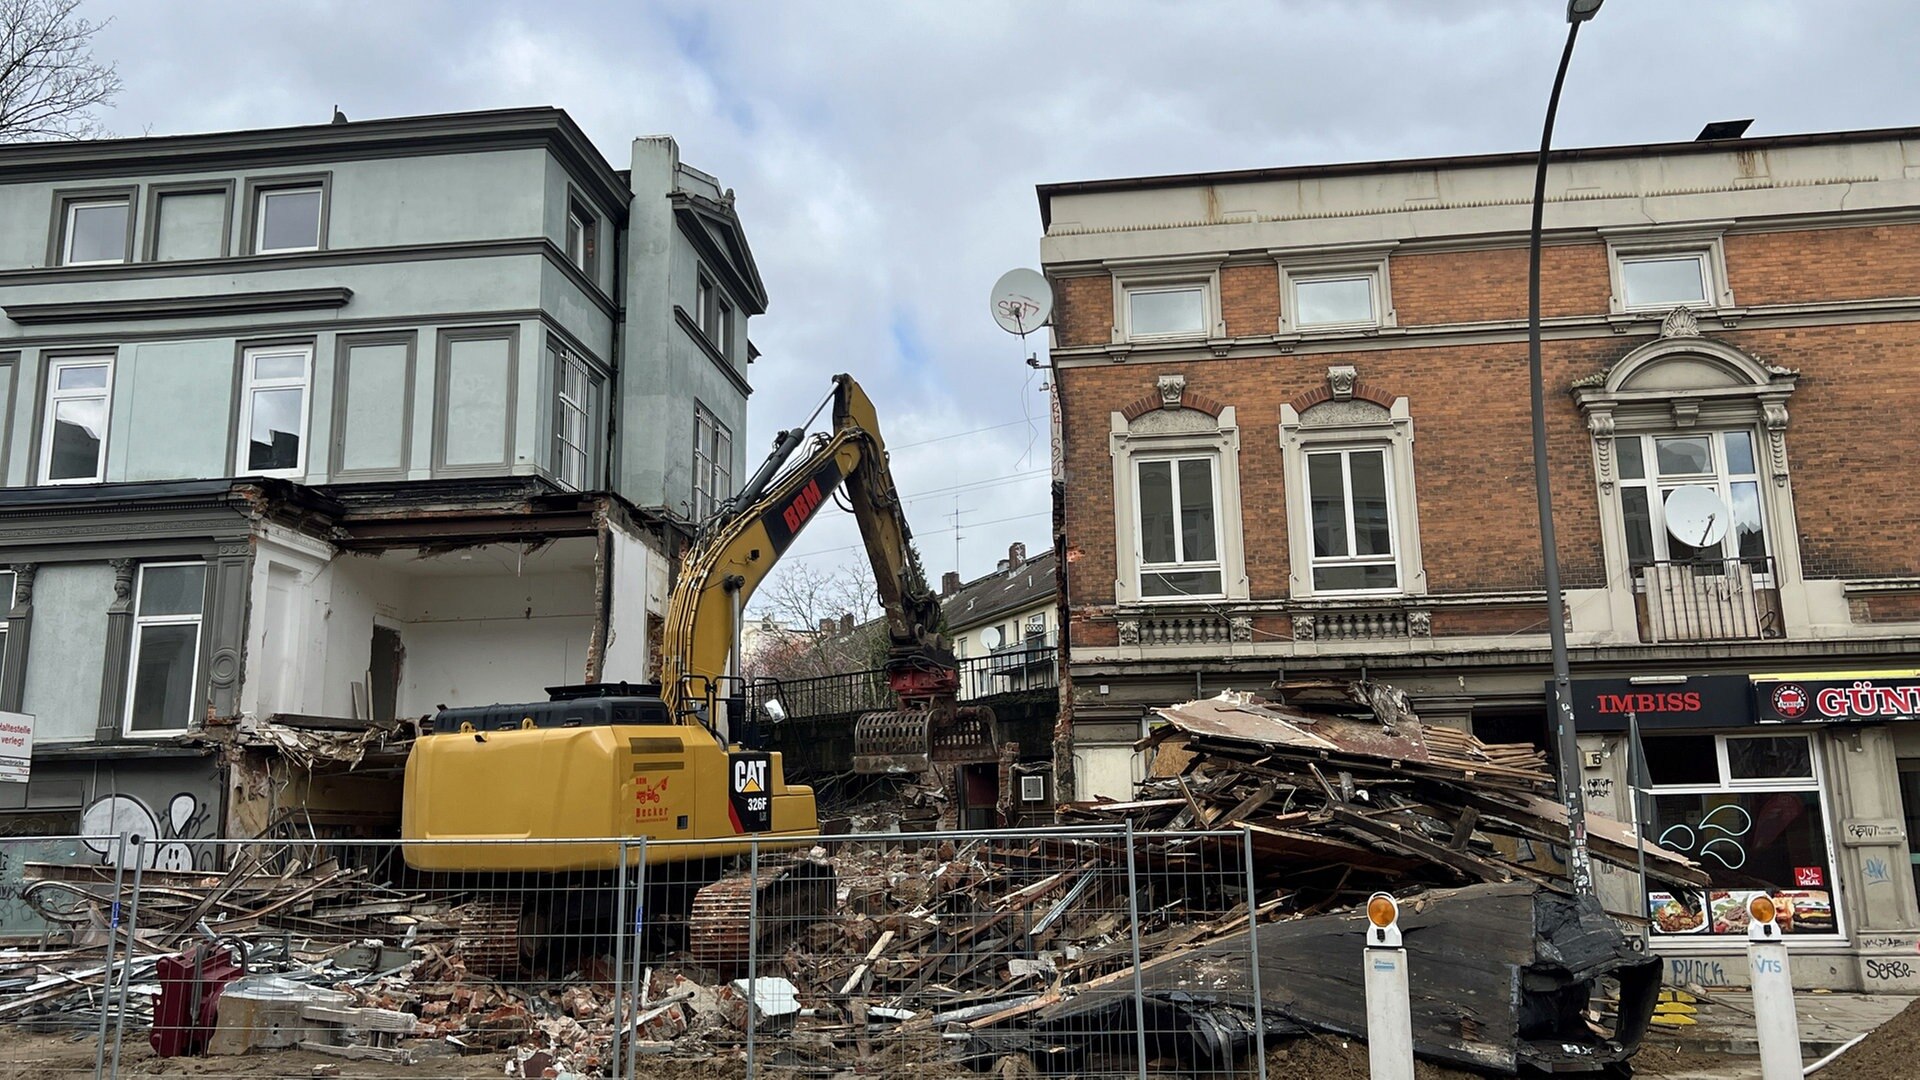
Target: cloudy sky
{"x":885,"y":153}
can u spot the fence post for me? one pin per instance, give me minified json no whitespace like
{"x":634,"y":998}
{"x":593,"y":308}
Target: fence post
{"x":113,"y":938}
{"x":639,"y":926}
{"x":126,"y":980}
{"x":753,"y":951}
{"x":1253,"y":953}
{"x":1133,"y":933}
{"x":620,"y":1014}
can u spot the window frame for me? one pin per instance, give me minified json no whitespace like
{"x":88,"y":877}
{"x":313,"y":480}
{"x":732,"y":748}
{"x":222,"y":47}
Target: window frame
{"x":723,"y":327}
{"x":1373,"y":427}
{"x":1726,"y":785}
{"x":1338,"y":262}
{"x":581,"y":236}
{"x":590,"y":408}
{"x":197,"y":620}
{"x":706,"y":450}
{"x":157,"y":195}
{"x":1198,"y":288}
{"x":250,"y":386}
{"x":259,"y":188}
{"x":1697,"y":257}
{"x":1627,"y":246}
{"x":1345,"y":452}
{"x":68,"y":204}
{"x":9,"y":592}
{"x":1202,"y":274}
{"x":1141,"y":567}
{"x":51,"y":395}
{"x":1720,"y":478}
{"x":1165,"y":432}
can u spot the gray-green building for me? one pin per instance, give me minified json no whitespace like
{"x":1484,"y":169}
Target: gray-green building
{"x":318,"y":428}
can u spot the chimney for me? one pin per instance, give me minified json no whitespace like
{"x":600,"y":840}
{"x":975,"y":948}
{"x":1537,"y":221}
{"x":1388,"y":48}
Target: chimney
{"x":827,"y":625}
{"x":949,"y":583}
{"x":1016,"y":556}
{"x":846,"y":622}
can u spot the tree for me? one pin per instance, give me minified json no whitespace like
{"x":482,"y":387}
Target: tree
{"x":50,"y":84}
{"x":791,"y":610}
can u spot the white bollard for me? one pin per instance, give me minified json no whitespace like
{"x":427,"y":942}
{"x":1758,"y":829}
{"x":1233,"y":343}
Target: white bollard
{"x":1389,"y":1015}
{"x":1774,"y":1017}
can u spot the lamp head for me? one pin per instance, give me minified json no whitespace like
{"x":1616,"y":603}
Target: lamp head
{"x":1582,"y":10}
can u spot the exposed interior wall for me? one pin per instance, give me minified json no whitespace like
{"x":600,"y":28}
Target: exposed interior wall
{"x":498,"y":638}
{"x":640,"y":579}
{"x":70,"y":603}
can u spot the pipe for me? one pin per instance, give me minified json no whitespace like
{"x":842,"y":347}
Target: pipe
{"x":1844,"y":1047}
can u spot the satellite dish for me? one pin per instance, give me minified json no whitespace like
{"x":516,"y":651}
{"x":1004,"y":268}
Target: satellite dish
{"x":1696,"y":516}
{"x":1022,"y":301}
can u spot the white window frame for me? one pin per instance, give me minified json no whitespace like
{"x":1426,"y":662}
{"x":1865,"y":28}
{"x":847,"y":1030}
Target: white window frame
{"x":1345,"y":452}
{"x":1719,"y":478}
{"x":568,"y":362}
{"x":1381,"y":428}
{"x":55,"y":395}
{"x":71,"y":211}
{"x":712,"y":475}
{"x":1625,"y":247}
{"x":140,"y":621}
{"x":1201,"y":274}
{"x":250,"y":385}
{"x":704,"y":291}
{"x":260,"y":197}
{"x":582,"y":237}
{"x":1727,"y":785}
{"x":1180,"y":565}
{"x":723,"y":327}
{"x":1697,"y":258}
{"x":1174,"y":433}
{"x":1337,"y":262}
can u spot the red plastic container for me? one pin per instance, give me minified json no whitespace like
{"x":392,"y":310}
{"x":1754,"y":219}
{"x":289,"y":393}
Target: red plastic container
{"x":190,"y":987}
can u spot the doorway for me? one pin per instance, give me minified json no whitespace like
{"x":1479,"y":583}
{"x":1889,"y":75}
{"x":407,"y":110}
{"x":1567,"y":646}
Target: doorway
{"x":383,"y":673}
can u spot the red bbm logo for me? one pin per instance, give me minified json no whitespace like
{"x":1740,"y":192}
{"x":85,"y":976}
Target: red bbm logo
{"x":1790,"y":701}
{"x":1809,"y":877}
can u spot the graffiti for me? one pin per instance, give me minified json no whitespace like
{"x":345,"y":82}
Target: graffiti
{"x":1875,"y":869}
{"x":1882,"y":970}
{"x":1874,"y":830}
{"x":166,"y":844}
{"x":1600,"y":787}
{"x":1697,"y":972}
{"x":1724,"y":848}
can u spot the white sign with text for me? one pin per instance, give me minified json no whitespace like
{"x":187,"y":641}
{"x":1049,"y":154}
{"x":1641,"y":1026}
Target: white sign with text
{"x":16,"y":747}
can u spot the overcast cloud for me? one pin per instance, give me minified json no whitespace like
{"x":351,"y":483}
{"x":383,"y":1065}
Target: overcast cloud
{"x":885,"y":154}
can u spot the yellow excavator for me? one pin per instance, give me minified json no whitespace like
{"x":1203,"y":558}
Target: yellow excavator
{"x":674,"y":760}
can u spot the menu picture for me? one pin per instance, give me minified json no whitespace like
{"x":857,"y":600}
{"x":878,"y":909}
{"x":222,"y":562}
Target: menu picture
{"x":1805,"y":911}
{"x":1678,"y":913}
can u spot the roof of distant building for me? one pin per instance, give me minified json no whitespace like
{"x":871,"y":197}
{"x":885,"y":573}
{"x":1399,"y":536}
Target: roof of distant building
{"x":1007,"y":588}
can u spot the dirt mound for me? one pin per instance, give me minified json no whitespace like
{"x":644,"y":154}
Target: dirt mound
{"x":1329,"y":1057}
{"x":1888,"y":1053}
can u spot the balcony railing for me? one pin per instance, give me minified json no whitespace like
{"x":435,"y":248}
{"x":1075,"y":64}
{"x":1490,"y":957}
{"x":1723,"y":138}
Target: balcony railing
{"x":1708,"y":600}
{"x":1032,"y":665}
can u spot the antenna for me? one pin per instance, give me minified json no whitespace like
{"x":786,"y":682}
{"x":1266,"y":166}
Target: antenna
{"x":1022,"y":301}
{"x":1695,"y":516}
{"x":957,"y":535}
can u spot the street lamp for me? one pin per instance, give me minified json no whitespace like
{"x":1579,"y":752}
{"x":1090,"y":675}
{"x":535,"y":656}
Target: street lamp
{"x":1579,"y":866}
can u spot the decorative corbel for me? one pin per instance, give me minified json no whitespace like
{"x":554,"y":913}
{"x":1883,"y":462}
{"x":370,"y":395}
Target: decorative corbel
{"x":1303,"y":628}
{"x":1773,"y":416}
{"x":1240,"y":628}
{"x":1340,"y":380}
{"x":1685,"y":412}
{"x":1129,"y":631}
{"x":1601,"y":425}
{"x":1172,"y":389}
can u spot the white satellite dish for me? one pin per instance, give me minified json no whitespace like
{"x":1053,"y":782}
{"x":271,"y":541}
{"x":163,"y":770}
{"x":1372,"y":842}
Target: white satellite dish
{"x":1696,"y":516}
{"x":1022,"y":301}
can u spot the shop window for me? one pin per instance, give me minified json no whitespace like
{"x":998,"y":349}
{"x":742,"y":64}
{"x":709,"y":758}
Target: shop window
{"x":1751,"y":812}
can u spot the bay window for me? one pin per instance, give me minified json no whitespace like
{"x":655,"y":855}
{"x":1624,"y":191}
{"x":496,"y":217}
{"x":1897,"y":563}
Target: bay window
{"x":164,"y":668}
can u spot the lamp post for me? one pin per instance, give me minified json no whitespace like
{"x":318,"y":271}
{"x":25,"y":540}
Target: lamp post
{"x":1579,"y":867}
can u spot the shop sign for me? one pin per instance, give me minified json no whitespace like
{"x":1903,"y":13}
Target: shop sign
{"x":1859,"y":832}
{"x":1697,"y":701}
{"x":1837,"y":698}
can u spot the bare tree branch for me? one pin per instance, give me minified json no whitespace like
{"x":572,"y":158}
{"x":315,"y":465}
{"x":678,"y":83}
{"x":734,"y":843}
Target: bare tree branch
{"x":800,"y":603}
{"x":50,"y":84}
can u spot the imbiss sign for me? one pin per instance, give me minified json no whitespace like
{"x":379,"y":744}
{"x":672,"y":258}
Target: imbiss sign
{"x":1697,"y":701}
{"x":1837,"y":697}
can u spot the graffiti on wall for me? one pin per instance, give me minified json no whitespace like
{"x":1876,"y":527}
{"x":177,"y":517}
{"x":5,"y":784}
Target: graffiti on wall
{"x":168,"y":837}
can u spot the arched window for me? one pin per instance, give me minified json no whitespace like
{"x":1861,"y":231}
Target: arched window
{"x":1353,"y":523}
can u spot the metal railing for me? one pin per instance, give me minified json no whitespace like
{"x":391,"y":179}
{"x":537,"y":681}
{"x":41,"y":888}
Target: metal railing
{"x":1708,"y":599}
{"x":1027,"y":666}
{"x":1017,"y":952}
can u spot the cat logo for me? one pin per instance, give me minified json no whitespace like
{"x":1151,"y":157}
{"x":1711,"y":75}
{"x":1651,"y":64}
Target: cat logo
{"x":750,"y":805}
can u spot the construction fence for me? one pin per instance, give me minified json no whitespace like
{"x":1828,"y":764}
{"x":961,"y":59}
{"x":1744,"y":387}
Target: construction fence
{"x":1008,"y":953}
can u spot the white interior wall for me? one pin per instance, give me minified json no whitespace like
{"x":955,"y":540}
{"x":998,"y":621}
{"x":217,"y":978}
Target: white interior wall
{"x":639,"y":587}
{"x":479,"y":641}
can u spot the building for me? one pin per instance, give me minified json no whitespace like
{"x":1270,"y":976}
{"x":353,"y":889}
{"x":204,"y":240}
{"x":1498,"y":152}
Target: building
{"x":1294,"y":435}
{"x":318,"y":429}
{"x":1002,"y":624}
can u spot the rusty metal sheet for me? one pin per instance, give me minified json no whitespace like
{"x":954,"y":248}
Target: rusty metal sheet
{"x":1242,"y":717}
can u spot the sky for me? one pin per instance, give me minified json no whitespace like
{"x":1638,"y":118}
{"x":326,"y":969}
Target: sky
{"x":884,"y":154}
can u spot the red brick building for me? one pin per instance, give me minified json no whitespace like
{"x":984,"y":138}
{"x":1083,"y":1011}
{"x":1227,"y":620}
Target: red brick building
{"x":1294,"y":439}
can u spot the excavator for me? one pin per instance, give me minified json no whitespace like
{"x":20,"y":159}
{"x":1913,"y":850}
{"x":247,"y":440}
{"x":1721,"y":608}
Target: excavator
{"x":676,"y":760}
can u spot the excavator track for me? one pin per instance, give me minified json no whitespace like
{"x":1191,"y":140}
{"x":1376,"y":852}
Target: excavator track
{"x":488,"y":936}
{"x":789,"y":897}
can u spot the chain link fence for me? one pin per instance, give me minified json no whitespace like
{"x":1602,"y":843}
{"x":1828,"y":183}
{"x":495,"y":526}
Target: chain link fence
{"x":1088,"y":952}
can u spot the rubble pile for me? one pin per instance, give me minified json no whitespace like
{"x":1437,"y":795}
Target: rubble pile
{"x":1002,"y":952}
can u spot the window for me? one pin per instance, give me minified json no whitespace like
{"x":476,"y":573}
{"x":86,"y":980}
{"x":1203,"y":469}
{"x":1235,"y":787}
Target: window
{"x":1179,"y":311}
{"x":583,"y":232}
{"x":1653,"y":467}
{"x":288,"y":218}
{"x":1179,"y":530}
{"x":1343,"y":287}
{"x":1664,"y":282}
{"x":1750,"y":811}
{"x":576,"y":403}
{"x":703,"y":305}
{"x":1352,"y":521}
{"x":73,"y":448}
{"x":273,"y":410}
{"x":97,"y":231}
{"x":1352,"y":513}
{"x":165,"y":666}
{"x":723,"y":329}
{"x":712,"y":463}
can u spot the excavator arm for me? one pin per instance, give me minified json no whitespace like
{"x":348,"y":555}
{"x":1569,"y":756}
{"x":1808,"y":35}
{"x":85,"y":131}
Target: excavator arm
{"x":735,"y":552}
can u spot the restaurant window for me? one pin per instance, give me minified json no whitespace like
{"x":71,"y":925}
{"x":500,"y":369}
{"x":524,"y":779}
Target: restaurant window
{"x":1750,"y":811}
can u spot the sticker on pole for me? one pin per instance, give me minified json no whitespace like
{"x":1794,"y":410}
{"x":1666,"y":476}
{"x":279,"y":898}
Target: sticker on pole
{"x":749,"y":791}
